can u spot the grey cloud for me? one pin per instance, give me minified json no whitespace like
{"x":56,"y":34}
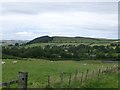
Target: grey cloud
{"x":88,"y":29}
{"x":35,"y":8}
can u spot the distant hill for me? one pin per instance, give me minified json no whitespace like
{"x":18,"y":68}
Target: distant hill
{"x":43,"y":39}
{"x":60,"y":39}
{"x":12,"y":42}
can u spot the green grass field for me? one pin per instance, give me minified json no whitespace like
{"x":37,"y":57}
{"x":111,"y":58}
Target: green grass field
{"x":107,"y":80}
{"x":39,"y":70}
{"x":60,"y":44}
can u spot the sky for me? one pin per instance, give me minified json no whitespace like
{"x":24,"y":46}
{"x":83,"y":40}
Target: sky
{"x":28,"y":20}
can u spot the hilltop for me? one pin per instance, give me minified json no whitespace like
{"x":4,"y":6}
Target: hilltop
{"x":60,"y":39}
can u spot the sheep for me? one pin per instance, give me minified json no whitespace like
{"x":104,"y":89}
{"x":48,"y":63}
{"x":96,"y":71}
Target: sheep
{"x":85,"y":64}
{"x":14,"y":62}
{"x":3,"y":62}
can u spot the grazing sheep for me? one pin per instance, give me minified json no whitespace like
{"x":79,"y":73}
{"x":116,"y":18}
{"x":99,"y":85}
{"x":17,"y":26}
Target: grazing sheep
{"x":14,"y":62}
{"x":3,"y":62}
{"x":85,"y":64}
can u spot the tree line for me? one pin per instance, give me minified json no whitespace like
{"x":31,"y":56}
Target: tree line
{"x":80,"y":52}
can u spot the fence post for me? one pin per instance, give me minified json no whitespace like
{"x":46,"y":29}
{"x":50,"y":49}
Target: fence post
{"x":86,"y":74}
{"x":76,"y":75}
{"x":70,"y":80}
{"x":8,"y":85}
{"x":98,"y":72}
{"x":107,"y":69}
{"x":61,"y":80}
{"x":93,"y":73}
{"x":102,"y":71}
{"x":48,"y":81}
{"x":81,"y":78}
{"x":22,"y":80}
{"x":111,"y":68}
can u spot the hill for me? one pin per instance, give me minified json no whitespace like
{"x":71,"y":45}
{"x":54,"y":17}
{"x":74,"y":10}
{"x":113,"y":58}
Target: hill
{"x":43,"y":39}
{"x":58,"y":39}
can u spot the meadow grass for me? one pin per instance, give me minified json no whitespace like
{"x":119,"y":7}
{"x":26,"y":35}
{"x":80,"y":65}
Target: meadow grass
{"x":106,"y":80}
{"x":60,"y":44}
{"x":39,"y":69}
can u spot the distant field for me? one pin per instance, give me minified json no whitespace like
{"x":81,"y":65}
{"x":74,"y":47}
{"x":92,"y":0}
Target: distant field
{"x":60,"y":44}
{"x":39,"y":69}
{"x":81,"y":40}
{"x":51,"y":44}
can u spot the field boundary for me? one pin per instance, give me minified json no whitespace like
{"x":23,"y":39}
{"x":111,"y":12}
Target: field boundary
{"x":22,"y":80}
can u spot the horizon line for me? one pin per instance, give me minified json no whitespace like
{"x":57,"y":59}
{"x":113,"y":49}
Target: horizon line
{"x":63,"y":36}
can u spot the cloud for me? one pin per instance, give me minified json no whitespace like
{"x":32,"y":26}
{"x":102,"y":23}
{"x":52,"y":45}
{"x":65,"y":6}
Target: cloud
{"x":24,"y":33}
{"x":36,"y":8}
{"x":44,"y":1}
{"x":29,"y":20}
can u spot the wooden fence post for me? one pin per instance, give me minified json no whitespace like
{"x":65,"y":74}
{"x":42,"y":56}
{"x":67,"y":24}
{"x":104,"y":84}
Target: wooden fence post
{"x":98,"y":72}
{"x":81,"y":78}
{"x":93,"y":73}
{"x":111,"y":68}
{"x":48,"y":81}
{"x":107,"y":69}
{"x":69,"y":80}
{"x":86,"y":74}
{"x":102,"y":71}
{"x":76,"y":75}
{"x":22,"y":80}
{"x":61,"y":80}
{"x":8,"y":85}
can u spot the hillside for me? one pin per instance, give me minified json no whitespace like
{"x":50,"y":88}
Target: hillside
{"x":58,"y":48}
{"x":57,"y":39}
{"x":43,"y":39}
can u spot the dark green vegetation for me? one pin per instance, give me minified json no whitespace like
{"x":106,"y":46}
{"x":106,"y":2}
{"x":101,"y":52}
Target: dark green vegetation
{"x":44,"y":39}
{"x":57,"y":39}
{"x":76,"y":48}
{"x":67,"y":52}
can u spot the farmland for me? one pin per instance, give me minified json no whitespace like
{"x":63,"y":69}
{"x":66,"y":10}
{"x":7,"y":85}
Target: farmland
{"x":66,"y":56}
{"x":39,"y":69}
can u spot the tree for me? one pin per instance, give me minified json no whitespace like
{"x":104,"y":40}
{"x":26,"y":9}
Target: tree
{"x":16,"y":44}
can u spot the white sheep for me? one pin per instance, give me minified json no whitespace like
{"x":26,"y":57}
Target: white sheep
{"x":85,"y":64}
{"x":3,"y":62}
{"x":14,"y":62}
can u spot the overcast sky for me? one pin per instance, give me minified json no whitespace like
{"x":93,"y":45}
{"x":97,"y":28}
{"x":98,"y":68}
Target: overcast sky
{"x":25,"y":21}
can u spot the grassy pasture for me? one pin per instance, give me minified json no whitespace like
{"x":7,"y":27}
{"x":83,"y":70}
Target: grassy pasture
{"x":60,"y":44}
{"x":81,"y":40}
{"x":107,"y":80}
{"x":39,"y":69}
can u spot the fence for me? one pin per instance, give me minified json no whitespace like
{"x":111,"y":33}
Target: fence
{"x":22,"y":81}
{"x":23,"y":78}
{"x":80,"y":78}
